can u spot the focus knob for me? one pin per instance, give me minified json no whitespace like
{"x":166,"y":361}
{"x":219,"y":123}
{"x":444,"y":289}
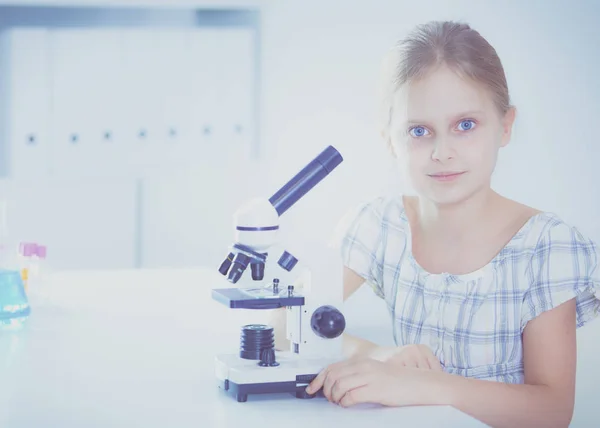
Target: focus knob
{"x":328,"y":322}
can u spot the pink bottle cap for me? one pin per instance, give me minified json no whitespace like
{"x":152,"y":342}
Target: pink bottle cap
{"x":27,"y":249}
{"x":41,"y":251}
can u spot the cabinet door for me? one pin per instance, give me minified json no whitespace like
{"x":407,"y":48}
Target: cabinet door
{"x":87,"y":110}
{"x":28,"y":103}
{"x":223,"y":90}
{"x":172,"y":108}
{"x":188,"y":207}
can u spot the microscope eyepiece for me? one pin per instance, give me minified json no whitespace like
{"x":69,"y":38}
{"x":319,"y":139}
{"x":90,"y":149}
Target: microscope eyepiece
{"x":306,"y":179}
{"x":287,"y":261}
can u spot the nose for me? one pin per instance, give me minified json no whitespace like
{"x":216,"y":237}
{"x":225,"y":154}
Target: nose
{"x":442,"y":150}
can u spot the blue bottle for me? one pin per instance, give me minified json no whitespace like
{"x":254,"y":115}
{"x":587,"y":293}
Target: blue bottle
{"x":14,"y":305}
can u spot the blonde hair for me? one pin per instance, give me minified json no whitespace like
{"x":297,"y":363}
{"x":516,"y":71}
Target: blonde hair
{"x":437,"y":43}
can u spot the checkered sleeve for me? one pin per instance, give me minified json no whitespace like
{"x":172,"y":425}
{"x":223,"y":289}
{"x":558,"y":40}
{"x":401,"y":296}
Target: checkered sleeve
{"x":359,"y":241}
{"x":564,"y":266}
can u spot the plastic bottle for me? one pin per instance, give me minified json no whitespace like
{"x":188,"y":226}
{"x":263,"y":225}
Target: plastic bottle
{"x":14,"y":304}
{"x":27,"y":252}
{"x":36,"y":275}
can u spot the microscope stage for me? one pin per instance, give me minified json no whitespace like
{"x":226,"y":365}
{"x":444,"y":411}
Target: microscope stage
{"x":293,"y":374}
{"x":255,"y":298}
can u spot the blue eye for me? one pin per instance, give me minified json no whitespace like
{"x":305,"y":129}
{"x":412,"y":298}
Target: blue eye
{"x":466,"y":125}
{"x":417,"y":131}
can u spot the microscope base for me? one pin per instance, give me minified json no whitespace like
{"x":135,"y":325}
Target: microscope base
{"x":241,"y":377}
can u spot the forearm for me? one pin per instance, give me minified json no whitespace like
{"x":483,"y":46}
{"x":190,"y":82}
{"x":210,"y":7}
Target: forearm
{"x":355,"y":346}
{"x":504,"y":405}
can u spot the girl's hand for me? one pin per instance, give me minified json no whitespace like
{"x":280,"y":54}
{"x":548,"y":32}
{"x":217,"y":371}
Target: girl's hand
{"x":416,"y":356}
{"x":354,"y":381}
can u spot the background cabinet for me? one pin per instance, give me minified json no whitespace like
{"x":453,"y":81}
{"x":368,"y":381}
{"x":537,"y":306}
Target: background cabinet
{"x":125,"y":146}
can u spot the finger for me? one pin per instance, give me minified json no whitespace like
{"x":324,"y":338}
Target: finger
{"x":317,"y":382}
{"x":395,"y":360}
{"x":356,"y":396}
{"x":410,"y":362}
{"x":423,"y":363}
{"x":434,"y":363}
{"x":339,"y":373}
{"x":342,"y":386}
{"x":328,"y":384}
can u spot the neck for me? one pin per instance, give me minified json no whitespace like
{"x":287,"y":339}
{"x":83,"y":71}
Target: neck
{"x":456,"y":222}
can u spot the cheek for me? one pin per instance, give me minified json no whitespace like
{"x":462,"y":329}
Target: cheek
{"x":411,"y":162}
{"x":417,"y":157}
{"x":480,"y":151}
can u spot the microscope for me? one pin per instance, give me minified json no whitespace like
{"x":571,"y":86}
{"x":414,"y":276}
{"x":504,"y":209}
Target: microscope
{"x":308,"y":288}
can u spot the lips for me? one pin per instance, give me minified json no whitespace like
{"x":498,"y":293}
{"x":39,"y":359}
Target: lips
{"x":446,"y":175}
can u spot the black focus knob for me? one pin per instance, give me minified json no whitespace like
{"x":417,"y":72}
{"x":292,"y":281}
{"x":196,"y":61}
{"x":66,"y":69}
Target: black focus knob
{"x":267,"y":358}
{"x":328,"y":322}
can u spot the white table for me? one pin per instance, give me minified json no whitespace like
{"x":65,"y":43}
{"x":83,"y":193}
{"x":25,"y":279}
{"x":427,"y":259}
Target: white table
{"x":133,"y":349}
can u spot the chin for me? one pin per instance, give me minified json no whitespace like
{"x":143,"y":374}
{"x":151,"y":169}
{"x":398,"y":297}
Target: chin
{"x":441,"y":200}
{"x":445,"y":196}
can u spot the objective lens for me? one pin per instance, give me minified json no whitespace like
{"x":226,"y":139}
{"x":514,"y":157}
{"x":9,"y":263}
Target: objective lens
{"x":239,"y":266}
{"x":224,"y":268}
{"x":258,"y":271}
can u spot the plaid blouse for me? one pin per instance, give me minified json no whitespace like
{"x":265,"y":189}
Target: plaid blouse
{"x":472,"y":322}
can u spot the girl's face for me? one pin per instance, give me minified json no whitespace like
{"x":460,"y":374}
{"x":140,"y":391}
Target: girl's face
{"x":447,"y":131}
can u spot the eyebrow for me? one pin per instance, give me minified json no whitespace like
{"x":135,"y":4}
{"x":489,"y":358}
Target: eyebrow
{"x":456,"y":117}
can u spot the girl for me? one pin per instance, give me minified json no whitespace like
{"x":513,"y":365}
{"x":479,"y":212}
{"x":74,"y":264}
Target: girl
{"x":485,"y":293}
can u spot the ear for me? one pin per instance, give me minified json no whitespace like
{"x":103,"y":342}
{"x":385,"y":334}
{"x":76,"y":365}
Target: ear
{"x":507,"y":125}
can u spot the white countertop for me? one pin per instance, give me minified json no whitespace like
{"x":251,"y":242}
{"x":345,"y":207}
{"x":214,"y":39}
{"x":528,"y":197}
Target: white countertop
{"x":135,"y":348}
